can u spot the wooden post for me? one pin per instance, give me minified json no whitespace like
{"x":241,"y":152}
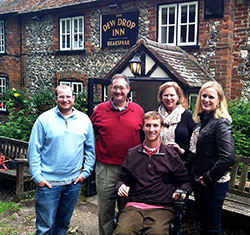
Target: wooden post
{"x":20,"y":181}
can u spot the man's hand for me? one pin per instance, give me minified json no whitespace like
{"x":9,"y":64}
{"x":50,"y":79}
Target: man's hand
{"x":123,"y":190}
{"x":44,"y":183}
{"x":79,"y":179}
{"x":179,"y":193}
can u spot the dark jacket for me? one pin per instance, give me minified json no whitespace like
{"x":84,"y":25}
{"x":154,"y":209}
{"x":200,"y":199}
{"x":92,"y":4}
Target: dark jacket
{"x":153,"y":180}
{"x":184,"y":131}
{"x":214,"y":149}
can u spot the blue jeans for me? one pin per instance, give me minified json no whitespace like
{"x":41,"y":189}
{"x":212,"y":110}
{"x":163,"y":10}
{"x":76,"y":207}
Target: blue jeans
{"x":54,"y":208}
{"x":210,"y":201}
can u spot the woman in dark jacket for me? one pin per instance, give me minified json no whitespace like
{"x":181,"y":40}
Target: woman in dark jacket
{"x":213,"y":147}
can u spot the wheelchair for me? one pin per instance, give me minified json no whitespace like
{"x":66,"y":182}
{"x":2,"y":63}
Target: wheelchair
{"x":180,"y":208}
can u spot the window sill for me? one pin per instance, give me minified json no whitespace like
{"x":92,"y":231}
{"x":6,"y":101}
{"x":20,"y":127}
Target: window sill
{"x":190,"y":48}
{"x":4,"y":112}
{"x":72,"y":52}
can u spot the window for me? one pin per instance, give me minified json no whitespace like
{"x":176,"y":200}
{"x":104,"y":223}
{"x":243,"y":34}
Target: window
{"x":2,"y":37}
{"x":72,"y":33}
{"x":178,"y":24}
{"x":213,"y":9}
{"x":77,"y":87}
{"x":192,"y":101}
{"x":2,"y":89}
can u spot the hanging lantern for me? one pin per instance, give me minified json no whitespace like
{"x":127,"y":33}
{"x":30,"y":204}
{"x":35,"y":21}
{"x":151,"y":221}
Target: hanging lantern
{"x":135,"y":64}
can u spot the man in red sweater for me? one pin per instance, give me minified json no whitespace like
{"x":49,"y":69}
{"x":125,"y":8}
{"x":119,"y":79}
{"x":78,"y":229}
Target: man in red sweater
{"x":117,"y":124}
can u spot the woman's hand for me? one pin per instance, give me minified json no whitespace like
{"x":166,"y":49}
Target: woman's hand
{"x":202,"y":181}
{"x":176,"y":147}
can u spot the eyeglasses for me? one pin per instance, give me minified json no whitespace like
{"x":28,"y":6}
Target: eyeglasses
{"x":121,"y":88}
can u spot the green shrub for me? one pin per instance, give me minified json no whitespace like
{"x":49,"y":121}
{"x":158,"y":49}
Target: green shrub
{"x":81,"y":101}
{"x":240,"y":113}
{"x":44,"y":97}
{"x":19,"y":123}
{"x":21,"y":119}
{"x":15,"y":98}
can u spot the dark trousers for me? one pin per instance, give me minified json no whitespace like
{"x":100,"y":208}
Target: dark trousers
{"x":209,"y":202}
{"x":149,"y":221}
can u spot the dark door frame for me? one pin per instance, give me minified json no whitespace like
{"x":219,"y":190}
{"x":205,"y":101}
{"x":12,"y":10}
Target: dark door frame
{"x":91,"y":82}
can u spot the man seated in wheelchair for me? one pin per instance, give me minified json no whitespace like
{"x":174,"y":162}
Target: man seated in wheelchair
{"x":152,"y":176}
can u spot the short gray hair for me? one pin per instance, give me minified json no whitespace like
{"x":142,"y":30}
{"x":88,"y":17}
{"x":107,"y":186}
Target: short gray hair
{"x":118,"y":75}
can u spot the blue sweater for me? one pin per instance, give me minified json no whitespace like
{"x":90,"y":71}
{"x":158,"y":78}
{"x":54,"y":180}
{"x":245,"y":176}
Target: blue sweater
{"x":57,"y":145}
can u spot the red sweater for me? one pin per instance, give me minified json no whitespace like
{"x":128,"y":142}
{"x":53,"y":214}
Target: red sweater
{"x":116,"y":131}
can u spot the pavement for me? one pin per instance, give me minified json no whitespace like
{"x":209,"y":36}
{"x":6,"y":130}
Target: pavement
{"x":92,"y":199}
{"x":85,"y":217}
{"x":85,"y":221}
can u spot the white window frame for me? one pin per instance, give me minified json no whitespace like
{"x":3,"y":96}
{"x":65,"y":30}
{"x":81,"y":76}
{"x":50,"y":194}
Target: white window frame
{"x":77,"y":87}
{"x":3,"y":87}
{"x":167,"y":25}
{"x":188,"y":24}
{"x":69,"y":30}
{"x":178,"y":23}
{"x":2,"y":37}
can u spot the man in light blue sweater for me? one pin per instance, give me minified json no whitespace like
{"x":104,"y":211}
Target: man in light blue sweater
{"x":59,"y":139}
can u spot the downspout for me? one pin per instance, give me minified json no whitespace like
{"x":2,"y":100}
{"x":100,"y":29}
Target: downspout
{"x":21,"y":53}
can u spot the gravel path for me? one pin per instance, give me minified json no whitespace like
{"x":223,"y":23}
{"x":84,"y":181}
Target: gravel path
{"x":84,"y":220}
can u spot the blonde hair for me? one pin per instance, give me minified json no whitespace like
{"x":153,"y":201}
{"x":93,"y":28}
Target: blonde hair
{"x":221,"y":111}
{"x":177,"y":88}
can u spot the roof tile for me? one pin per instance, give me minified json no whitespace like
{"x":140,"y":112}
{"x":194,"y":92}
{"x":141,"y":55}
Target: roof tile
{"x":23,"y":6}
{"x":183,"y":65}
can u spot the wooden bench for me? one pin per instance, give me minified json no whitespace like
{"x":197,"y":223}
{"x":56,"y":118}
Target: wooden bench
{"x":238,"y":196}
{"x":16,"y":150}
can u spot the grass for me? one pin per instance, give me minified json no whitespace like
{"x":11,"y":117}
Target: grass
{"x":6,"y":230}
{"x":5,"y":206}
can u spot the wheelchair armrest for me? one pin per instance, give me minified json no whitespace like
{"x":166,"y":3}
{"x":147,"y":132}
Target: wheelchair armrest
{"x":113,"y":196}
{"x":121,"y":201}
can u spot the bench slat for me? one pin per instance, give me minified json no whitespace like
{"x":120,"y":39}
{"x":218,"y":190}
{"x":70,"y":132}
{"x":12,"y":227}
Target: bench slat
{"x":234,"y":171}
{"x":243,"y":177}
{"x":16,"y":150}
{"x":240,"y":186}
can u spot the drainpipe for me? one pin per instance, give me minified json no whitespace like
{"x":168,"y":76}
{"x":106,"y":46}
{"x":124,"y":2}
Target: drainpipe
{"x":21,"y":53}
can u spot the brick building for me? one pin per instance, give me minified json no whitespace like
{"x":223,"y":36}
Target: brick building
{"x":44,"y":43}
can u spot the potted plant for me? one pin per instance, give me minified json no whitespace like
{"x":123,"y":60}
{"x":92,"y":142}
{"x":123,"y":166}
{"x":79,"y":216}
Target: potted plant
{"x":44,"y":99}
